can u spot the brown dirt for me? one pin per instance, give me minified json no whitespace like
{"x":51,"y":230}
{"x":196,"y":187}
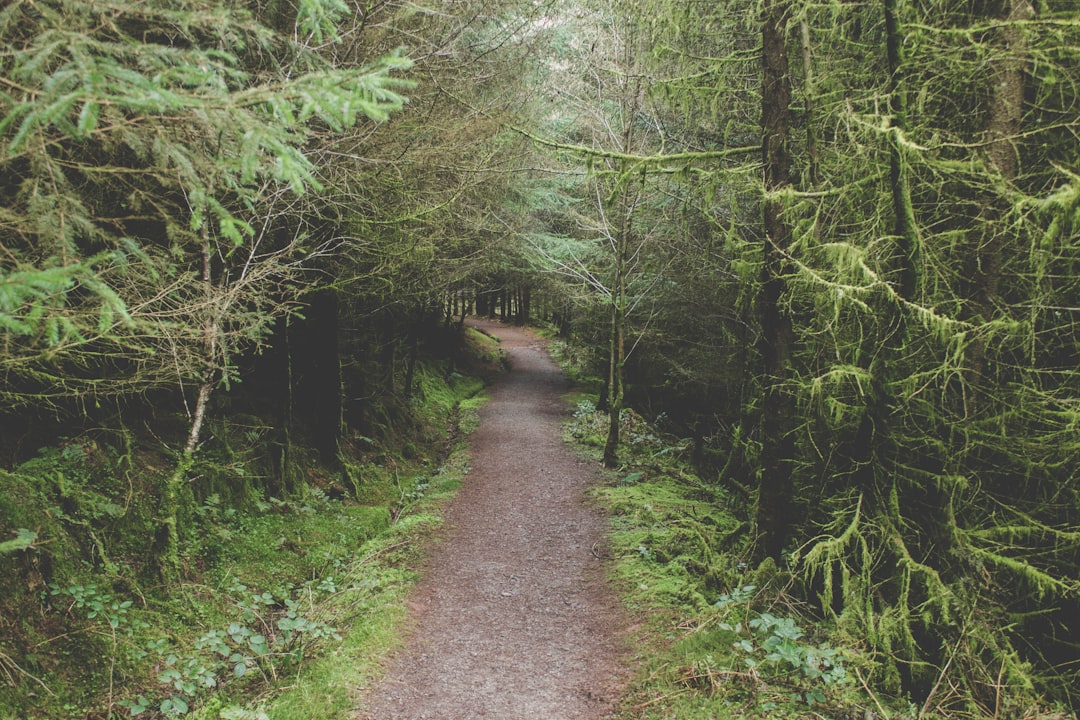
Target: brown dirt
{"x":512,"y":618}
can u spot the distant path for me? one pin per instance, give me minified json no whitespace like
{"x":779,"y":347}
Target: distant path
{"x":512,"y":619}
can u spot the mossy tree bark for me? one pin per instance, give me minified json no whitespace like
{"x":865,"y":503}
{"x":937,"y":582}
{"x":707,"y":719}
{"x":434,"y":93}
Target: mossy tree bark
{"x":775,"y":488}
{"x":1003,"y":124}
{"x":167,"y":553}
{"x":617,"y":347}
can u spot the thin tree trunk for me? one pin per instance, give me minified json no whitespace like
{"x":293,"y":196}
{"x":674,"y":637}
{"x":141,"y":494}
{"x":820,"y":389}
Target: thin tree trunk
{"x":809,"y":105}
{"x":325,"y":363}
{"x":464,"y":309}
{"x":167,"y":555}
{"x":617,"y":349}
{"x":875,"y":434}
{"x":410,"y":372}
{"x":615,"y":380}
{"x":287,"y":412}
{"x":907,"y":237}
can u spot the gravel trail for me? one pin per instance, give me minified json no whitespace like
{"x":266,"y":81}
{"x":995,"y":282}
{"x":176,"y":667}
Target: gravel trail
{"x":512,"y":619}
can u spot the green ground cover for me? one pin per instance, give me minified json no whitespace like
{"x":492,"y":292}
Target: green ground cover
{"x":287,"y":604}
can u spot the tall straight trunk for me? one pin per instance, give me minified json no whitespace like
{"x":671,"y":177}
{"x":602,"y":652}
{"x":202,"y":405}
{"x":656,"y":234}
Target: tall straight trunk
{"x":874,"y":429}
{"x":414,"y":351}
{"x":523,"y":305}
{"x":325,"y":374}
{"x":287,"y":409}
{"x":617,"y":338}
{"x":621,"y":238}
{"x":388,"y":358}
{"x":463,"y":309}
{"x":809,"y":106}
{"x":905,"y":231}
{"x":615,"y":364}
{"x":774,"y":514}
{"x":876,"y":439}
{"x":875,"y":432}
{"x":1002,"y":128}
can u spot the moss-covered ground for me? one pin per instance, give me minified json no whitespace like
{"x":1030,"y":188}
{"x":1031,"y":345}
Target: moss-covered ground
{"x":715,"y":639}
{"x":288,"y":602}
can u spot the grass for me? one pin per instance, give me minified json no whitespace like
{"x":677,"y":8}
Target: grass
{"x":372,"y":582}
{"x":377,"y":577}
{"x":373,"y":611}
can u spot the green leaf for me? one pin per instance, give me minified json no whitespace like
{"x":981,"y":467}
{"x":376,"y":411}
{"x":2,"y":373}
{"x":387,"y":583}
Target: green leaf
{"x":24,"y":539}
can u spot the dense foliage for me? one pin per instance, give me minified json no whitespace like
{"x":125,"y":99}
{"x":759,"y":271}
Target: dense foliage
{"x":868,"y":321}
{"x":833,"y":245}
{"x":226,"y":232}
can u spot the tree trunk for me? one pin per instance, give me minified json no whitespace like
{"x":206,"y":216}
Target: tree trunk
{"x":414,"y":351}
{"x":623,"y":228}
{"x":167,"y":550}
{"x":464,"y":309}
{"x":325,"y":374}
{"x":1002,"y":128}
{"x":615,"y":380}
{"x":775,"y":487}
{"x":809,"y":104}
{"x":905,"y":230}
{"x":286,"y":420}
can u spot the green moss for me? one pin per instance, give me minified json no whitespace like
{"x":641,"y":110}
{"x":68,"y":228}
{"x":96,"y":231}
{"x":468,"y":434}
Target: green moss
{"x":677,"y":547}
{"x":285,"y":543}
{"x":340,"y":543}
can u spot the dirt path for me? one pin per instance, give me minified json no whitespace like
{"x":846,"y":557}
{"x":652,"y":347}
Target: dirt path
{"x":512,"y":620}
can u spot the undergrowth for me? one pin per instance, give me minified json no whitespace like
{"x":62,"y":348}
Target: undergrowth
{"x":719,"y":639}
{"x":288,"y":602}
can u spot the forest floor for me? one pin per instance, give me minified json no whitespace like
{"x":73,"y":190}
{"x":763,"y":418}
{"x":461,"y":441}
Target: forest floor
{"x":513,"y":618}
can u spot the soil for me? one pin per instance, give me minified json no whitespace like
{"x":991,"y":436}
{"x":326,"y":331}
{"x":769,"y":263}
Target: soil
{"x":512,"y":619}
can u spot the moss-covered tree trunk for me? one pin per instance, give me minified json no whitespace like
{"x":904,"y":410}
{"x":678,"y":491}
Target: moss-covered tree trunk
{"x":775,"y":488}
{"x":616,"y":353}
{"x":1002,"y":131}
{"x":166,"y":556}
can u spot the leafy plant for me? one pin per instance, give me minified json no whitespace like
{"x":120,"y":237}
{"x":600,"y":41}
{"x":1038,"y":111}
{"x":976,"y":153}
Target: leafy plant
{"x":24,"y":539}
{"x":102,"y":606}
{"x":269,"y":634}
{"x":777,"y":643}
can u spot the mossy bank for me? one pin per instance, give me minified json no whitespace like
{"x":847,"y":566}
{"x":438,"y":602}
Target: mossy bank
{"x":287,"y":600}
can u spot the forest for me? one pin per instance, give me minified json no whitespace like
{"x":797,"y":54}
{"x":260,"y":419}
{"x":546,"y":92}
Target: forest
{"x":830,"y":251}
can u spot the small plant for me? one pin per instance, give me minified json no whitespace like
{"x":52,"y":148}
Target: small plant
{"x":767,"y":641}
{"x":100,"y":605}
{"x":268,"y":633}
{"x":585,"y":409}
